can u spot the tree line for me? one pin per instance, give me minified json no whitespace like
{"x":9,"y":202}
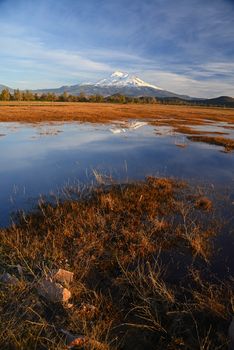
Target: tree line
{"x":18,"y":95}
{"x":27,"y":95}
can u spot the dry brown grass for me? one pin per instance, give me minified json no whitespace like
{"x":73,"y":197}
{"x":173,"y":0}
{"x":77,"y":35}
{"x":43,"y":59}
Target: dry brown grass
{"x":105,"y":112}
{"x":121,"y":241}
{"x":227,"y":143}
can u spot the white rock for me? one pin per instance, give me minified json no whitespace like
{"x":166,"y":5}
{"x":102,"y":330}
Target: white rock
{"x":62,"y":276}
{"x":53,"y":291}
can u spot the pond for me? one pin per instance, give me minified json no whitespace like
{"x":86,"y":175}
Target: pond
{"x":42,"y":158}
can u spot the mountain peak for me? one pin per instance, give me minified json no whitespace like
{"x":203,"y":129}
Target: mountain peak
{"x":123,"y":79}
{"x":119,"y":74}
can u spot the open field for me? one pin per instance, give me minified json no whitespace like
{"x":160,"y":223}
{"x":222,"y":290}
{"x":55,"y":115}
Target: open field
{"x":106,"y":112}
{"x":141,"y":255}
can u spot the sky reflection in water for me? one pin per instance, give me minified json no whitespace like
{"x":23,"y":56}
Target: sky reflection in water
{"x":38,"y":159}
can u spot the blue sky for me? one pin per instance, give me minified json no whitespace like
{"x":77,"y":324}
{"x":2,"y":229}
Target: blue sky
{"x":186,"y":46}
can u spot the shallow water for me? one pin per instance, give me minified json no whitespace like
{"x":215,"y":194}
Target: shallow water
{"x":41,"y":158}
{"x":221,"y":127}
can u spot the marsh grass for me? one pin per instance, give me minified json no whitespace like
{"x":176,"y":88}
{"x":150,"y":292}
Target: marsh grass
{"x":181,"y":119}
{"x":105,"y":112}
{"x":227,"y":143}
{"x":123,"y":243}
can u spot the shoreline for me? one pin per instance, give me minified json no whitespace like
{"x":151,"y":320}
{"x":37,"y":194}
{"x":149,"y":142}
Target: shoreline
{"x":180,"y":118}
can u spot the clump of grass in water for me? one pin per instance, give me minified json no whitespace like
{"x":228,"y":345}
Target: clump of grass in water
{"x":128,"y":246}
{"x":227,"y":143}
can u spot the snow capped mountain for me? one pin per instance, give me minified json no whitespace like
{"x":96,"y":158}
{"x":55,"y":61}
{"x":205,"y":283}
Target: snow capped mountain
{"x":129,"y":85}
{"x":120,"y":79}
{"x":117,"y":83}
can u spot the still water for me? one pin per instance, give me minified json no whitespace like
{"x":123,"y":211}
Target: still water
{"x":39,"y":159}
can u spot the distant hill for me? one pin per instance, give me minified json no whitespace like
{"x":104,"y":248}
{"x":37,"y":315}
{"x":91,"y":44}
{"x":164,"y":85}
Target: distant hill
{"x":219,"y":101}
{"x":222,"y":101}
{"x":2,"y":87}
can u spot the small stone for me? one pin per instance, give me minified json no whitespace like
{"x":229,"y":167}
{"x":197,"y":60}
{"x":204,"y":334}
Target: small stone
{"x":53,"y":291}
{"x":8,"y":279}
{"x":62,"y":276}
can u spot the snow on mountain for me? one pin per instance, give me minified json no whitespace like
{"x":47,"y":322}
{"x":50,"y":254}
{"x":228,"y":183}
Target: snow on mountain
{"x":117,"y":83}
{"x":121,"y":79}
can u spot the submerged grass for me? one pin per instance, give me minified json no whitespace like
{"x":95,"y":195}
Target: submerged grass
{"x":141,"y":254}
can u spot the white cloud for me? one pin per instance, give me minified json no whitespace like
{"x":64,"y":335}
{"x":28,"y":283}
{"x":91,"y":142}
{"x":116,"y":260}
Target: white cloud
{"x":183,"y":84}
{"x":31,"y":57}
{"x":27,"y":62}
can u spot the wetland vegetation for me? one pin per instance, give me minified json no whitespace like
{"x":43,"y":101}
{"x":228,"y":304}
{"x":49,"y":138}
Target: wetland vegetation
{"x":148,"y":240}
{"x":142,"y":256}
